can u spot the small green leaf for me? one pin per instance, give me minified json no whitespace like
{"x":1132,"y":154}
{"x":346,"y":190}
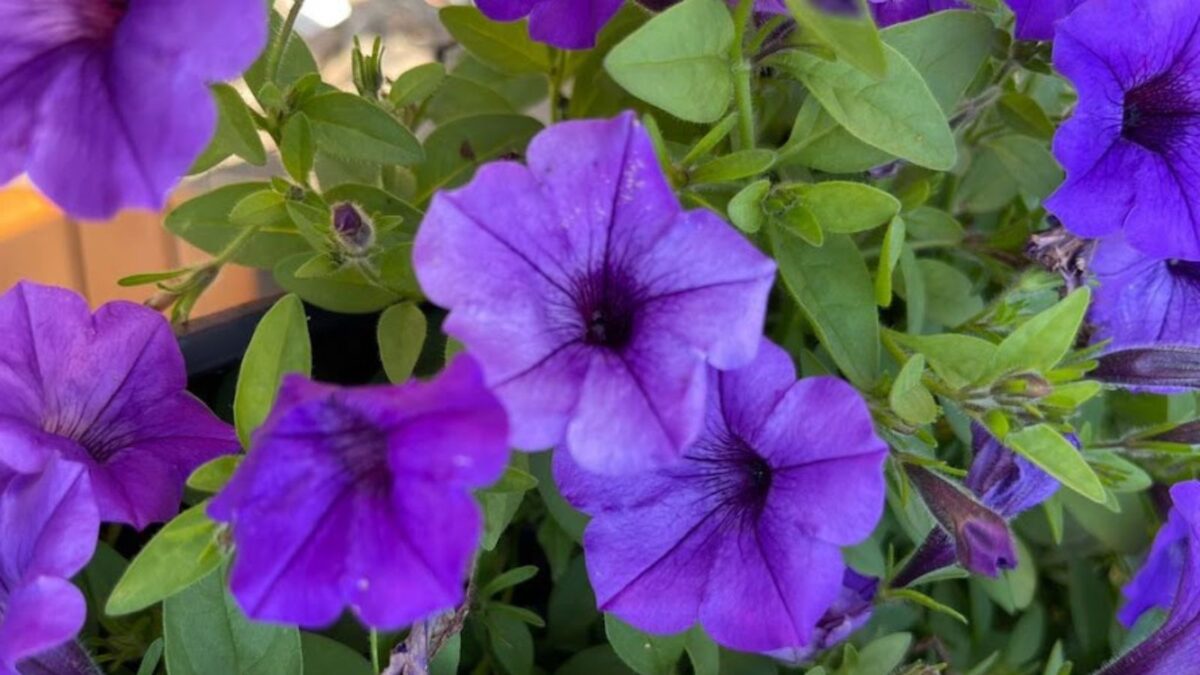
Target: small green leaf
{"x":928,"y":224}
{"x":1042,"y":341}
{"x":456,"y":148}
{"x":511,"y":642}
{"x":950,"y":297}
{"x":679,"y":61}
{"x":734,"y":166}
{"x":417,"y":84}
{"x":800,"y":219}
{"x":236,"y":132}
{"x":150,"y":277}
{"x":927,"y":602}
{"x":704,"y":654}
{"x":853,"y":38}
{"x":514,"y":479}
{"x":889,"y":256}
{"x":505,"y":47}
{"x":401,"y":335}
{"x":1117,"y":473}
{"x":323,"y":655}
{"x":882,"y":656}
{"x":183,"y":552}
{"x":1024,"y":115}
{"x":571,"y":521}
{"x":646,"y":654}
{"x":513,"y":577}
{"x":205,"y":222}
{"x":958,"y":359}
{"x":844,"y":207}
{"x":1029,"y":162}
{"x":297,"y":148}
{"x":746,"y":207}
{"x":354,"y":128}
{"x":151,"y":658}
{"x":280,"y":345}
{"x":1047,"y":448}
{"x":500,"y":505}
{"x":909,"y":398}
{"x":211,"y":476}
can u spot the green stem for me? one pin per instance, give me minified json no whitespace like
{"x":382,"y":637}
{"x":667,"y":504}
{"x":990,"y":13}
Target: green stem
{"x":742,"y":70}
{"x":375,"y":650}
{"x":558,"y":73}
{"x":285,"y":33}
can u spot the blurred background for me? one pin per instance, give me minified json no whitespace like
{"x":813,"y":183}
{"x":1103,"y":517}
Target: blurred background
{"x":39,"y":243}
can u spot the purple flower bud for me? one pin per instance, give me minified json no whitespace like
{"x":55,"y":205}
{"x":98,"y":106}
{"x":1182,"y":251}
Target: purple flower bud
{"x":1157,"y":368}
{"x":353,"y":229}
{"x":1005,"y":481}
{"x":850,"y":612}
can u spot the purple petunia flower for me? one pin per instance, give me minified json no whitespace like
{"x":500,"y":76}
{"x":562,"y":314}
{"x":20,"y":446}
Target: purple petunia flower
{"x":361,"y":497}
{"x":1171,"y":577}
{"x":49,"y":523}
{"x":1036,"y":19}
{"x":566,"y":24}
{"x":743,"y":535}
{"x":106,"y":390}
{"x":593,"y":302}
{"x":105,"y":102}
{"x":1143,"y":300}
{"x":1130,"y":150}
{"x":889,"y":12}
{"x":850,"y":612}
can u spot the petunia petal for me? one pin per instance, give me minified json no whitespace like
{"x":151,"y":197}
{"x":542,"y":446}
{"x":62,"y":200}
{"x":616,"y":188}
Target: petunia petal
{"x":50,"y":523}
{"x":570,"y":24}
{"x":216,"y":40}
{"x":40,"y":614}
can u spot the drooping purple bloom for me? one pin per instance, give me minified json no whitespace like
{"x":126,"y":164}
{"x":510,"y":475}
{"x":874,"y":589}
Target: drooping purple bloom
{"x":1005,"y":481}
{"x":566,"y":24}
{"x":106,"y":390}
{"x":850,"y":612}
{"x":1130,"y":150}
{"x":1156,"y":368}
{"x":1170,"y":579}
{"x":889,"y":12}
{"x":105,"y":102}
{"x":361,"y":497}
{"x":1143,"y":300}
{"x":743,"y":534}
{"x":49,"y":523}
{"x":1036,"y":19}
{"x":593,"y":302}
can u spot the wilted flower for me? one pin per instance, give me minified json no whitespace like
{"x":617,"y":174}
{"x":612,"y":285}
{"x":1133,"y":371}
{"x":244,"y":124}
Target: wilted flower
{"x":361,"y":497}
{"x":593,"y":302}
{"x":1130,"y":150}
{"x":888,"y":12}
{"x":850,"y":612}
{"x":1036,"y":19}
{"x":49,"y":523}
{"x":106,"y":390}
{"x":1142,"y":300}
{"x":1157,"y":368}
{"x":1171,"y":580}
{"x":105,"y":102}
{"x":566,"y":24}
{"x":744,"y":534}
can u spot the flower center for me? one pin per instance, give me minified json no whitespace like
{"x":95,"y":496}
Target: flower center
{"x":1161,"y":112}
{"x":359,"y":446}
{"x":99,"y":18}
{"x":607,"y":304}
{"x":1188,"y":269}
{"x":734,"y":475}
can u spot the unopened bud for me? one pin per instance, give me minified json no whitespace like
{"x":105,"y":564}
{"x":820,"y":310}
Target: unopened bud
{"x":353,"y":229}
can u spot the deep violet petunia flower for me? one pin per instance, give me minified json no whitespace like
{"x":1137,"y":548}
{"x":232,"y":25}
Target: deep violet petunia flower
{"x":361,"y":497}
{"x":105,"y":102}
{"x":566,"y":24}
{"x":1170,"y":579}
{"x":744,"y":534}
{"x":849,"y":612}
{"x":1036,"y":19}
{"x":889,"y":12}
{"x":591,"y":299}
{"x":106,"y":390}
{"x":49,"y":523}
{"x":1143,"y":300}
{"x":1130,"y":149}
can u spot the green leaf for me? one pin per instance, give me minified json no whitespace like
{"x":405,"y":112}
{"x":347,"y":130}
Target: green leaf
{"x":1047,"y":448}
{"x":834,"y":289}
{"x":347,"y":293}
{"x":600,"y":659}
{"x":1014,"y":589}
{"x":445,"y":662}
{"x":845,"y":207}
{"x":151,"y":277}
{"x":503,"y":46}
{"x":897,"y":114}
{"x":280,"y":345}
{"x":151,"y":658}
{"x":183,"y":552}
{"x":746,"y":207}
{"x":960,"y":360}
{"x":517,"y":575}
{"x":799,"y":219}
{"x":459,"y":97}
{"x":352,"y":127}
{"x":207,"y":633}
{"x":236,"y":132}
{"x":511,"y":642}
{"x":646,"y":654}
{"x":950,"y":297}
{"x":1024,"y":115}
{"x":401,"y":335}
{"x":929,"y":225}
{"x":882,"y":656}
{"x":1029,"y":162}
{"x":211,"y":476}
{"x":205,"y":222}
{"x":325,"y":656}
{"x":455,"y":149}
{"x":298,"y":148}
{"x":514,"y":479}
{"x":296,"y":62}
{"x":704,"y":654}
{"x":734,"y":166}
{"x":889,"y":256}
{"x":987,"y":185}
{"x":927,"y":602}
{"x":571,"y":521}
{"x":853,"y":38}
{"x":417,"y":84}
{"x":500,"y":506}
{"x":1117,"y":473}
{"x":679,"y":61}
{"x":1042,"y":341}
{"x":909,"y":398}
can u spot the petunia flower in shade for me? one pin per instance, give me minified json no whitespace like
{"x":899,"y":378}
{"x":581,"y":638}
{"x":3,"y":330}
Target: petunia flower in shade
{"x":744,"y":534}
{"x":566,"y":24}
{"x":1170,"y":579}
{"x":49,"y":523}
{"x":1130,"y":150}
{"x":592,"y":301}
{"x":850,"y":612}
{"x":889,"y":12}
{"x":105,"y":102}
{"x":1143,"y":300}
{"x":1036,"y":19}
{"x":361,"y":497}
{"x":106,"y":390}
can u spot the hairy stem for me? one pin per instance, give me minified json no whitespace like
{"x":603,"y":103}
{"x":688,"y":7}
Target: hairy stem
{"x":285,"y":34}
{"x":742,"y":71}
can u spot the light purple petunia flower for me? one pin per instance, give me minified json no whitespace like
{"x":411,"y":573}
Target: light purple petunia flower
{"x":566,"y":24}
{"x":106,"y":390}
{"x":1170,"y":579}
{"x":362,"y":497}
{"x":49,"y":523}
{"x":593,"y":302}
{"x":1131,"y":149}
{"x":1036,"y":19}
{"x":1143,"y":300}
{"x":744,"y":534}
{"x":889,"y":12}
{"x":105,"y":102}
